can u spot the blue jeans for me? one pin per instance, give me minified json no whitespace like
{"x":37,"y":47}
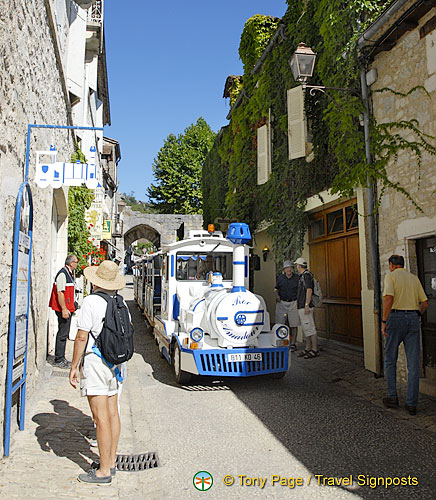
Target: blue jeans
{"x":403,"y":326}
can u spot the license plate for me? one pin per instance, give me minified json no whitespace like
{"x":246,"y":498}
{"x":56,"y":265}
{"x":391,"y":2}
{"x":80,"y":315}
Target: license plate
{"x":246,"y":356}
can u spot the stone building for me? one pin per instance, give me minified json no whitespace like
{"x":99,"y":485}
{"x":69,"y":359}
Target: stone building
{"x":52,"y":56}
{"x":347,"y":255}
{"x":401,"y":48}
{"x":112,"y":204}
{"x":336,"y":246}
{"x":401,"y":55}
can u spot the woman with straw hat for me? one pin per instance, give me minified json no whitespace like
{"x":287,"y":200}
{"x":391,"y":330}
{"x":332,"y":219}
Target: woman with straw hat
{"x":97,"y":381}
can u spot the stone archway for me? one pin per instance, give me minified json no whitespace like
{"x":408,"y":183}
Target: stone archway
{"x":160,"y":229}
{"x":142,"y":231}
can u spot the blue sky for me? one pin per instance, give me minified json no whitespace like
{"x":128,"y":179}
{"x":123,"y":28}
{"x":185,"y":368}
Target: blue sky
{"x":167,"y":65}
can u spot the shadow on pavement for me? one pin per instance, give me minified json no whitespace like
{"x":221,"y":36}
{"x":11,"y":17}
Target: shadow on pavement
{"x":65,"y":433}
{"x":332,"y":432}
{"x":335,"y":434}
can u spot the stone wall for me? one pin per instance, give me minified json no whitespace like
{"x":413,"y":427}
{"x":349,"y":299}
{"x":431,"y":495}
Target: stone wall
{"x":412,"y":62}
{"x":31,"y":92}
{"x":160,"y":229}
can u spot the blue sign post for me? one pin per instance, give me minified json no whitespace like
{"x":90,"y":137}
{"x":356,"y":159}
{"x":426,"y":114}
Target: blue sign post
{"x":20,"y":291}
{"x":19,"y":312}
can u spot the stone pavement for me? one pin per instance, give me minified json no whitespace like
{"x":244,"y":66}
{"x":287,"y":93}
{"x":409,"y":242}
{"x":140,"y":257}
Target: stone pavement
{"x":54,"y":447}
{"x":351,"y":375}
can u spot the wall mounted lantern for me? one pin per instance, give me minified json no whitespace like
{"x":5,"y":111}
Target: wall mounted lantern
{"x":265,"y":253}
{"x":85,"y":4}
{"x":121,"y":206}
{"x":302,"y":65}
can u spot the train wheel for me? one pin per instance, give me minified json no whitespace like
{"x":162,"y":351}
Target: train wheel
{"x":181,"y":376}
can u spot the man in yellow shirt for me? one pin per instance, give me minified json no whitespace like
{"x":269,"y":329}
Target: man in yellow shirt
{"x":404,"y":301}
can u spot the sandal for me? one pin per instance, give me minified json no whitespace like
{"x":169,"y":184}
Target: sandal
{"x":304,"y":353}
{"x":293,"y":347}
{"x":311,"y":354}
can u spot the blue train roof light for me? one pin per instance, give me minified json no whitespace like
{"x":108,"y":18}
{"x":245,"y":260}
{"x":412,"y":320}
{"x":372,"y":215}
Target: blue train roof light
{"x":239,"y":233}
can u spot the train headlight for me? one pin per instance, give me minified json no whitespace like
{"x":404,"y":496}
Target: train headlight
{"x":282,"y":332}
{"x":196,"y":334}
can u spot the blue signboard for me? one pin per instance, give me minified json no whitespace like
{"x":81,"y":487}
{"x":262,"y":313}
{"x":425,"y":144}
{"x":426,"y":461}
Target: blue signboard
{"x":19,"y":312}
{"x":21,"y":267}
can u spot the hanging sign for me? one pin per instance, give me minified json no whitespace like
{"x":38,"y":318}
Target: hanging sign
{"x":57,"y":174}
{"x":94,"y":219}
{"x":107,"y":230}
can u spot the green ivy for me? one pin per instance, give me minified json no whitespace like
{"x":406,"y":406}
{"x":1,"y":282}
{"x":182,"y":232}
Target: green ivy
{"x":235,"y":89}
{"x":79,"y":200}
{"x":331,"y":28}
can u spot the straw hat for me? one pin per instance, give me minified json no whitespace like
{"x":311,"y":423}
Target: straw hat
{"x":105,"y":276}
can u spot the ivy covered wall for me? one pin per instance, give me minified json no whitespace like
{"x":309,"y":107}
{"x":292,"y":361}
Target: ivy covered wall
{"x":230,"y":187}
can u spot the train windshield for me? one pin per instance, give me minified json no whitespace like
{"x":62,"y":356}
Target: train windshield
{"x":197,"y":265}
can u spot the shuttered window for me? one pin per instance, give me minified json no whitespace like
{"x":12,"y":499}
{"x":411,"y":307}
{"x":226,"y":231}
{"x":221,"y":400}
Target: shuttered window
{"x":263,"y":156}
{"x":296,"y":123}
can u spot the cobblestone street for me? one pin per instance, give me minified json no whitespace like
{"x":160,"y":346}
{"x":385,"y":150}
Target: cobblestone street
{"x":352,"y":434}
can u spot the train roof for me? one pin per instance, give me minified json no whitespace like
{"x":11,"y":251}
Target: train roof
{"x":200,"y":240}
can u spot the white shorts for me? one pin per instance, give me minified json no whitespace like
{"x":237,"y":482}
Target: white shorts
{"x":96,"y":378}
{"x":307,"y":322}
{"x":287,"y":310}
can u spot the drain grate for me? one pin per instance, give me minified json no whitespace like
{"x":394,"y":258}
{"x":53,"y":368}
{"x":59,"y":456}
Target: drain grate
{"x":206,"y":388}
{"x":55,"y":373}
{"x":133,"y":463}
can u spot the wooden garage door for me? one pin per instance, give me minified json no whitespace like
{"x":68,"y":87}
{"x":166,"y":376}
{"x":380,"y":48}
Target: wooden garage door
{"x":335,"y":261}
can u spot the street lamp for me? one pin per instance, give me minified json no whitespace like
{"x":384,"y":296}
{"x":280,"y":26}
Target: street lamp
{"x":302,"y":64}
{"x":85,"y":4}
{"x":121,"y":205}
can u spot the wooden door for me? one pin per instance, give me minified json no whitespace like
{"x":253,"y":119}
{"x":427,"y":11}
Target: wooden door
{"x":426,"y":252}
{"x":335,"y":261}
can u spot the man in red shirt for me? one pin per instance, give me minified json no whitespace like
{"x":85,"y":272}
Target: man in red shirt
{"x":62,"y":302}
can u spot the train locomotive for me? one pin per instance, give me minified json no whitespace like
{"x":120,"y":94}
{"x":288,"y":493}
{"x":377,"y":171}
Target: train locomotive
{"x":206,"y":321}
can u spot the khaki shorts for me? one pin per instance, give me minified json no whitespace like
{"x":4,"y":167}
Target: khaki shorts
{"x":287,"y":310}
{"x":307,"y":322}
{"x":96,"y":378}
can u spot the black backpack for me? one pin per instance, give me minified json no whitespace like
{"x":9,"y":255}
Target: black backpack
{"x":116,"y":337}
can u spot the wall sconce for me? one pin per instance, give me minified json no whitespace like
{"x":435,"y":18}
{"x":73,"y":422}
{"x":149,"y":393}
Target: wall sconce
{"x":265,"y":252}
{"x":302,"y":65}
{"x":121,"y":206}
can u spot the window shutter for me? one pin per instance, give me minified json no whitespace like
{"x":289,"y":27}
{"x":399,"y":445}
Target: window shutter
{"x":296,"y":123}
{"x":263,"y":169}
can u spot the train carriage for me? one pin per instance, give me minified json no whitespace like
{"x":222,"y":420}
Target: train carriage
{"x":208,"y":322}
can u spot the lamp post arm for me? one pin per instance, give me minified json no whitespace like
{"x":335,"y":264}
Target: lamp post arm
{"x":322,"y":88}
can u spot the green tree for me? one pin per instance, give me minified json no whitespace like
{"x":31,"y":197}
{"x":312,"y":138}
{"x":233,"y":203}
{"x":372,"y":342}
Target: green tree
{"x":178,"y":168}
{"x":134,"y":204}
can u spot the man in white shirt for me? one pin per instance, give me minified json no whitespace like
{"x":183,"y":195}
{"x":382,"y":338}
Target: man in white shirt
{"x":97,"y":381}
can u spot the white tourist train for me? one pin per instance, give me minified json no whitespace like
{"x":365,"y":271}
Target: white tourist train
{"x":195,"y":295}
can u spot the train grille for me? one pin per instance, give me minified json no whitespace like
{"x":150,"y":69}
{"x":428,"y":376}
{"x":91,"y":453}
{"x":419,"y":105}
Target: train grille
{"x":214,"y":362}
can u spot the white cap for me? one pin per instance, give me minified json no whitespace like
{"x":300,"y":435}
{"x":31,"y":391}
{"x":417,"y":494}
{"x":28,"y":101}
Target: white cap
{"x":301,"y":261}
{"x":287,"y":263}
